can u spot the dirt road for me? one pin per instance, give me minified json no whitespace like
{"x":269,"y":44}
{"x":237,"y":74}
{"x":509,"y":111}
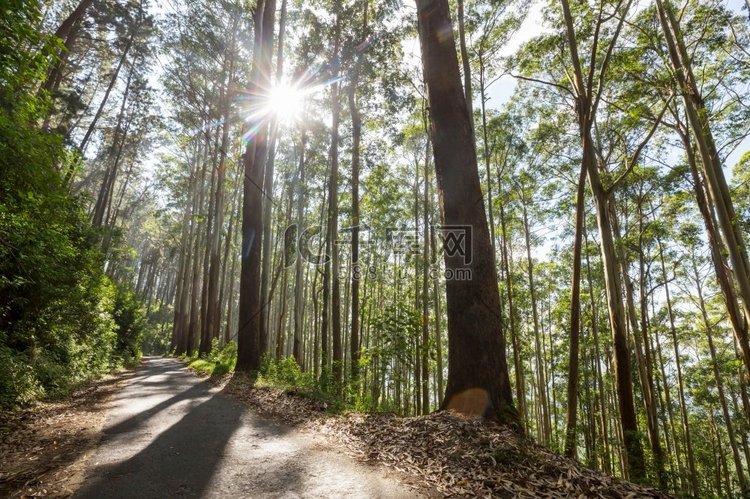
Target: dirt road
{"x":171,"y":434}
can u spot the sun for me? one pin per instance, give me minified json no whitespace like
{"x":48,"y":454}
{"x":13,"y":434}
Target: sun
{"x":285,"y":102}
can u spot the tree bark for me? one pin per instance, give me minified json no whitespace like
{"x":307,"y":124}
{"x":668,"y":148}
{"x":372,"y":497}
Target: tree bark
{"x":112,"y":81}
{"x":478,"y":381}
{"x":575,"y":319}
{"x":698,"y":118}
{"x":465,"y":62}
{"x":250,"y":333}
{"x":65,"y":32}
{"x":356,"y":271}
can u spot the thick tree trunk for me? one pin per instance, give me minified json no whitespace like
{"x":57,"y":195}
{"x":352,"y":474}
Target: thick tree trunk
{"x":250,"y":333}
{"x":478,"y":381}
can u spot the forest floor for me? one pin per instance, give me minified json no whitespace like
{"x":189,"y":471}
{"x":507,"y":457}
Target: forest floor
{"x":161,"y":431}
{"x":44,"y":448}
{"x":448,"y":455}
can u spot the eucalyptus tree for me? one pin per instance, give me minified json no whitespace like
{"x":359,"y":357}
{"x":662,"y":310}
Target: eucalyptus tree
{"x":709,"y":101}
{"x":478,"y":381}
{"x":251,"y":335}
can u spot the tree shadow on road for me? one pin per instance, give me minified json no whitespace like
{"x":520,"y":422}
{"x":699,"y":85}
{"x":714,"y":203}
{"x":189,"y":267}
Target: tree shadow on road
{"x":178,"y":462}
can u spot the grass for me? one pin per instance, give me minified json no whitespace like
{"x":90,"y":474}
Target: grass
{"x":284,"y":375}
{"x":217,"y":363}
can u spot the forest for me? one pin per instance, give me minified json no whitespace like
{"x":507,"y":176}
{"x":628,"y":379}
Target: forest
{"x":530,"y":212}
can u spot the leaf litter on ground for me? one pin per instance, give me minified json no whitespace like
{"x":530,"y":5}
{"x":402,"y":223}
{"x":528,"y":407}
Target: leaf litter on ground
{"x":455,"y":456}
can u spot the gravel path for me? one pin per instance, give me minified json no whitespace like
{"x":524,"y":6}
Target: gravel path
{"x":171,"y":434}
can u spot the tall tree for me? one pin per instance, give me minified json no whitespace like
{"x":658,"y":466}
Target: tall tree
{"x":251,"y":331}
{"x":478,"y":381}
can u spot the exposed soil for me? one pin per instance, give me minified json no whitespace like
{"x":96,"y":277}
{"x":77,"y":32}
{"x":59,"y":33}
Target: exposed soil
{"x":161,"y":431}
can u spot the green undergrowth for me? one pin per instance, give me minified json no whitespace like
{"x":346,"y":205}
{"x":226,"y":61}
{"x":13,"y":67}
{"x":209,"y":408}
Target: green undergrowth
{"x":219,"y":361}
{"x":282,"y":374}
{"x":63,"y":319}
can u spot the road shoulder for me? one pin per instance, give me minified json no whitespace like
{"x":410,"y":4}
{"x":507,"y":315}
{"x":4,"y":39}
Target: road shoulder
{"x":44,"y":449}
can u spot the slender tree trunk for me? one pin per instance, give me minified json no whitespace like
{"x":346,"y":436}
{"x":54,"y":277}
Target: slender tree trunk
{"x":586,"y":110}
{"x":546,"y":430}
{"x":425,"y":279}
{"x":438,"y":317}
{"x":356,"y":271}
{"x":66,"y":32}
{"x":575,"y":318}
{"x":719,"y":383}
{"x":213,"y":311}
{"x":332,"y":265}
{"x":699,"y":120}
{"x":268,"y":181}
{"x":118,"y":143}
{"x":298,"y":275}
{"x":487,"y":154}
{"x":515,"y":340}
{"x":728,"y":290}
{"x":693,"y":474}
{"x":193,"y":321}
{"x":112,"y":82}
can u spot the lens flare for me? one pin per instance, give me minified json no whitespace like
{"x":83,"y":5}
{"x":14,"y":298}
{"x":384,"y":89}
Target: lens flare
{"x":284,"y":102}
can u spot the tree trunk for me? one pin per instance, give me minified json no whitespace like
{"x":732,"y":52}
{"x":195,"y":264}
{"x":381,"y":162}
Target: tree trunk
{"x":65,"y":32}
{"x":465,"y":63}
{"x":356,"y":271}
{"x":478,"y":382}
{"x":425,"y":279}
{"x":586,"y":112}
{"x":575,"y":318}
{"x":298,"y":283}
{"x":213,"y":311}
{"x":718,"y":191}
{"x":112,"y":82}
{"x":693,"y":474}
{"x":249,"y":335}
{"x":332,"y":260}
{"x":719,"y":383}
{"x":546,"y":430}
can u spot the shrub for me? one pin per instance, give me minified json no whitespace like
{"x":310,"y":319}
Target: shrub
{"x":219,"y":361}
